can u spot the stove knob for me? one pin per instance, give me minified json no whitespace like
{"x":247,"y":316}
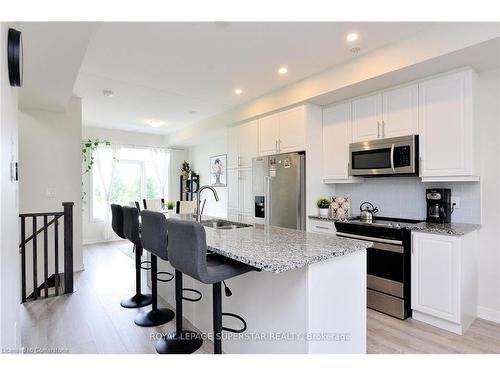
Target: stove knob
{"x":398,"y":226}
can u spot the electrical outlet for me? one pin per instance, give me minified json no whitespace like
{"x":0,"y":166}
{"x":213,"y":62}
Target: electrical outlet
{"x":456,"y":201}
{"x":50,"y":193}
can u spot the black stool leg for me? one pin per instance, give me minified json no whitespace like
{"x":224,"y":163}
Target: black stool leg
{"x":139,"y":299}
{"x":155,"y":316}
{"x":180,"y":342}
{"x":217,"y":317}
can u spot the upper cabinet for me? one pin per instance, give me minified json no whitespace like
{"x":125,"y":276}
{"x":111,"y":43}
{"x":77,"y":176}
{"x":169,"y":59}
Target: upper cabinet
{"x":242,"y":145}
{"x":337,"y":135}
{"x":391,"y":113}
{"x":283,"y":132}
{"x":366,"y":118}
{"x":400,"y":112}
{"x":447,"y":136}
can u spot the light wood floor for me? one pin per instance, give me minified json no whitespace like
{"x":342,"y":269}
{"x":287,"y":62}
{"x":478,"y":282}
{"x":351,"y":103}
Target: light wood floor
{"x":91,"y":320}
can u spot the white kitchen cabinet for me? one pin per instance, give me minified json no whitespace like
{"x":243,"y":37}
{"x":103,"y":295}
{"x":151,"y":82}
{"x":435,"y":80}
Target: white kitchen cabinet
{"x":239,"y":183}
{"x":268,"y":135}
{"x":399,"y":112}
{"x":233,"y":189}
{"x":245,"y":182}
{"x":292,"y":130}
{"x":444,"y":280}
{"x":322,"y":226}
{"x":283,"y":132}
{"x":337,"y":135}
{"x":387,"y":114}
{"x":248,"y":143}
{"x":233,"y":152}
{"x":447,"y":136}
{"x":242,"y":145}
{"x":366,"y":118}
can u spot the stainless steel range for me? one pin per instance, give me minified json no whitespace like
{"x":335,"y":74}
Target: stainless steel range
{"x":388,"y":262}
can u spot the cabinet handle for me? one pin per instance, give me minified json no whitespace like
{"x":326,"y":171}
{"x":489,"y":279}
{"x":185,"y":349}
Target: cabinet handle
{"x":276,"y":145}
{"x":320,"y":227}
{"x":279,"y":145}
{"x":378,"y":129}
{"x":383,"y":129}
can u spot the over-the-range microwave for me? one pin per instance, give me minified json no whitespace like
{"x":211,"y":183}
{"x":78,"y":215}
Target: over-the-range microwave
{"x":384,"y":157}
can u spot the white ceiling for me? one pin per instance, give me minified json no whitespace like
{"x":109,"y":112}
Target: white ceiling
{"x":165,"y":71}
{"x":53,"y":53}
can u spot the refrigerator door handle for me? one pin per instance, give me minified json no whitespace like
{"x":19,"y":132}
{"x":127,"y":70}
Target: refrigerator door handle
{"x":267,"y":200}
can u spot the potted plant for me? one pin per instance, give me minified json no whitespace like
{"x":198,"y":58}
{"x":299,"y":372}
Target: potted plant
{"x":186,"y":169}
{"x":170,"y":205}
{"x":323,"y":206}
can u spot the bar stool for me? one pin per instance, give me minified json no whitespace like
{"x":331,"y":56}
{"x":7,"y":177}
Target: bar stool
{"x":187,"y":253}
{"x":154,"y":240}
{"x":131,"y":232}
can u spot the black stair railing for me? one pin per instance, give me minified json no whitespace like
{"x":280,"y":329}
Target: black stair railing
{"x":61,"y":282}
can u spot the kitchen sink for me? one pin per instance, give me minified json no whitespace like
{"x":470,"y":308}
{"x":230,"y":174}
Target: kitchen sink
{"x":223,"y":224}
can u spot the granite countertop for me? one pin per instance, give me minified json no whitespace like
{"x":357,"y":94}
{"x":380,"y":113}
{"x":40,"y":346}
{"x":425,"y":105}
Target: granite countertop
{"x":275,"y":249}
{"x":452,"y":229}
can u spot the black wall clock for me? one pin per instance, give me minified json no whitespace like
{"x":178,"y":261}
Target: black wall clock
{"x":15,"y":57}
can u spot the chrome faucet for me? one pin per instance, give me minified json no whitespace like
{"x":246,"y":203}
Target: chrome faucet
{"x":198,"y":195}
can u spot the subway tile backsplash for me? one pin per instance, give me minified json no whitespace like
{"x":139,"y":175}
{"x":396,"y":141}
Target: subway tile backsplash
{"x":404,"y":197}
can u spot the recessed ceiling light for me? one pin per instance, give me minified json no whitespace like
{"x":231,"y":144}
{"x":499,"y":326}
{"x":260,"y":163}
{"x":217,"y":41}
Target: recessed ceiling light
{"x":283,"y":70}
{"x":238,"y":91}
{"x":154,"y":123}
{"x":108,"y":93}
{"x":352,"y":37}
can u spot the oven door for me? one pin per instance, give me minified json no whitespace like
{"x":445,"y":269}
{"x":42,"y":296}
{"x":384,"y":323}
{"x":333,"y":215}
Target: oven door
{"x":385,"y":268}
{"x":392,"y":156}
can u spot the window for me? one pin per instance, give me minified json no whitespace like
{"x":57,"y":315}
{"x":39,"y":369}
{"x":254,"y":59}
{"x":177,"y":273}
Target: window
{"x":134,"y":178}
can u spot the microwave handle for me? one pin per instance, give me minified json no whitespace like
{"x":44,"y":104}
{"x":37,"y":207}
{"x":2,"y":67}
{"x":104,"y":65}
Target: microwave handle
{"x":392,"y":158}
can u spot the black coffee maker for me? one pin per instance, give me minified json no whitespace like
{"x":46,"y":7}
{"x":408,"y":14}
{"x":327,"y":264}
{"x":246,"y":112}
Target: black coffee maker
{"x":438,"y":205}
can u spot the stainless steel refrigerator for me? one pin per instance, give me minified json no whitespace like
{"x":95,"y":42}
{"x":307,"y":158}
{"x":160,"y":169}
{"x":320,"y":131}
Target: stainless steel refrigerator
{"x":279,"y":190}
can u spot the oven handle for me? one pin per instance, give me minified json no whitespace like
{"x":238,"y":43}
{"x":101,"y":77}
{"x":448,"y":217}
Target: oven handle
{"x":372,"y":239}
{"x":392,"y":158}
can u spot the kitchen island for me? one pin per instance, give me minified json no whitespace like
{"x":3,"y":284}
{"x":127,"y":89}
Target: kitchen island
{"x":310,"y":296}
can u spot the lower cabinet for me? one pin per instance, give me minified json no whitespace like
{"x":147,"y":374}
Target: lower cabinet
{"x":239,"y":182}
{"x":321,"y":226}
{"x":444,"y":280}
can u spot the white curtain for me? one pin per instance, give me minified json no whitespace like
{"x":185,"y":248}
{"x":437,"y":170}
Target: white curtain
{"x":105,"y":159}
{"x":160,"y":158}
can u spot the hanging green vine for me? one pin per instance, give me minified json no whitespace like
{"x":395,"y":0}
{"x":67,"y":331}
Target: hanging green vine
{"x":88,"y":148}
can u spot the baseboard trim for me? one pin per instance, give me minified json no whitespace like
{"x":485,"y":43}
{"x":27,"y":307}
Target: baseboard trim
{"x":488,"y":314}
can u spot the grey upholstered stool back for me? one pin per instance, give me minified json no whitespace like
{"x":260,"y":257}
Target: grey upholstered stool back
{"x":131,"y":225}
{"x":154,"y":233}
{"x":187,"y":248}
{"x":117,"y":219}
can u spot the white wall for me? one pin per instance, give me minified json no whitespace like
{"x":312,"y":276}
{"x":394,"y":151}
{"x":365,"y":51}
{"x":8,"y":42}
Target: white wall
{"x":50,"y":165}
{"x":199,"y":158}
{"x":405,"y":197}
{"x":489,"y":235}
{"x":10,"y":336}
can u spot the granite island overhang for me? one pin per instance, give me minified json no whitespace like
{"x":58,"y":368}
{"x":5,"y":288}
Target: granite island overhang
{"x":310,"y":297}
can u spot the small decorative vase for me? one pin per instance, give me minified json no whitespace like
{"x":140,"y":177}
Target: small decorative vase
{"x":323,"y":212}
